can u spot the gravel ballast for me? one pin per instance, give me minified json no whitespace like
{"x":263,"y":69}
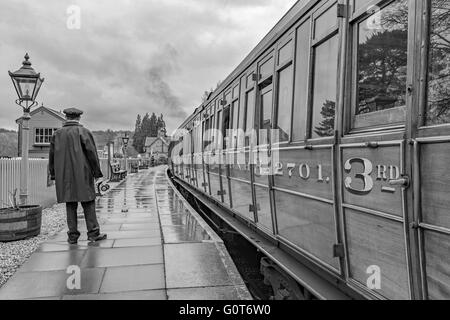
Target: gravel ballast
{"x":15,"y":254}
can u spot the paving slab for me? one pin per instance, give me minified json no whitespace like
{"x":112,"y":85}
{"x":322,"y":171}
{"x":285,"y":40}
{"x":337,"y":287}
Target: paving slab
{"x":131,"y":295}
{"x":133,"y":278}
{"x":51,"y":261}
{"x":143,"y":242}
{"x":207,"y":293}
{"x":202,"y":266}
{"x":122,"y":257}
{"x":25,"y":285}
{"x":158,"y":248}
{"x":140,"y":226}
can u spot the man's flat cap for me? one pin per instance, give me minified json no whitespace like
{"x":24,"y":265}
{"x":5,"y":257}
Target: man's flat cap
{"x":73,"y":112}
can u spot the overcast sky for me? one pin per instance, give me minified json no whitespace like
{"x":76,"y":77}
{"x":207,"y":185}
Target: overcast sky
{"x":129,"y":56}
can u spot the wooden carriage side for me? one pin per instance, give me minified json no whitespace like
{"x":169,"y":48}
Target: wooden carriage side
{"x":359,"y":179}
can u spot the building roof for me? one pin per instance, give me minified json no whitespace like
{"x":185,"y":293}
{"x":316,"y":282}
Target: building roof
{"x":57,"y":114}
{"x":150,"y":141}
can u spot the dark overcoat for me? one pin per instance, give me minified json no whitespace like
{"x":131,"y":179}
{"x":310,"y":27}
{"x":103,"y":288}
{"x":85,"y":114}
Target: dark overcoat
{"x":73,"y":163}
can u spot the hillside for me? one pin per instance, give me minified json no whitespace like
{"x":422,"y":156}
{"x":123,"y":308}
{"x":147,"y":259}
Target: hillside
{"x":102,"y":137}
{"x":8,"y":143}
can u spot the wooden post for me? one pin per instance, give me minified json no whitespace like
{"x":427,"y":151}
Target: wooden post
{"x":126,"y":159}
{"x":24,"y":168}
{"x":109,"y":160}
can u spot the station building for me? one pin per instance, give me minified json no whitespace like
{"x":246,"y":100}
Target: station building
{"x":43,"y":123}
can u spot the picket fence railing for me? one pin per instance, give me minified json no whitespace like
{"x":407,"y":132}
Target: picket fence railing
{"x":38,"y":192}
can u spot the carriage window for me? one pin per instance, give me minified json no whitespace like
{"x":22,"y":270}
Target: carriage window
{"x":212,"y":132}
{"x":266,"y":69}
{"x":285,"y":53}
{"x":382,"y":62}
{"x":235,"y":124}
{"x":301,"y":81}
{"x":249,"y":81}
{"x":236,"y":92}
{"x":265,"y":116}
{"x":206,"y":133}
{"x":242,"y":111}
{"x":325,"y":22}
{"x":266,"y":109}
{"x":250,"y":109}
{"x":324,"y":94}
{"x":226,"y":126}
{"x":228,"y":97}
{"x":285,"y":87}
{"x":362,"y":4}
{"x":439,"y":64}
{"x":218,"y":142}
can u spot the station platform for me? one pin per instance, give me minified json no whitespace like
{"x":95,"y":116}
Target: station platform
{"x":158,"y":248}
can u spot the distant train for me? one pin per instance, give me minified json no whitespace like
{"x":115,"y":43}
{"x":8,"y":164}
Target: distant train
{"x":354,"y":198}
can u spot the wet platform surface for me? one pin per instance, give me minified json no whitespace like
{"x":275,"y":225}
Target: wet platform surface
{"x":158,"y":248}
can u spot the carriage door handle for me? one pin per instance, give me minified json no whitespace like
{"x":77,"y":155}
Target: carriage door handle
{"x":402,"y":182}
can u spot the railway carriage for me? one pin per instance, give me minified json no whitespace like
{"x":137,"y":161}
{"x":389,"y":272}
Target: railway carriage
{"x":354,"y":201}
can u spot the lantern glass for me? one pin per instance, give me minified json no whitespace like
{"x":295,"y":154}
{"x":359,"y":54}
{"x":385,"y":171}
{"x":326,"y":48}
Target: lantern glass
{"x":38,"y":87}
{"x":25,"y":87}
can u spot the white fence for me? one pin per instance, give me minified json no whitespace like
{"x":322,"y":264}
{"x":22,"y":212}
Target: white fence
{"x":38,"y":192}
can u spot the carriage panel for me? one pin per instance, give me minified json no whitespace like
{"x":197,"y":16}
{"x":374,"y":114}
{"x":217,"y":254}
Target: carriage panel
{"x":308,"y":224}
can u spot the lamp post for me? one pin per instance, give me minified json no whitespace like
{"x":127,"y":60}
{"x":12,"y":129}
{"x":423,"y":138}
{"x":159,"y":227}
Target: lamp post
{"x":27,"y":84}
{"x":125,"y":141}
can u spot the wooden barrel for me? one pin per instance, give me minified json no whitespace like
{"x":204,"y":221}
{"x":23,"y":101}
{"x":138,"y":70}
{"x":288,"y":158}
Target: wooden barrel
{"x":19,"y":224}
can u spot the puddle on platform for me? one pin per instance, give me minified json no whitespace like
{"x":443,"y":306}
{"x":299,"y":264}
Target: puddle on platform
{"x":145,"y":195}
{"x":178,"y":224}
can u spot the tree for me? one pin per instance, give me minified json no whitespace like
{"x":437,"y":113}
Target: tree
{"x":161,"y":125}
{"x":326,"y":126}
{"x":382,"y":65}
{"x":147,"y":126}
{"x":439,"y":64}
{"x":137,"y":137}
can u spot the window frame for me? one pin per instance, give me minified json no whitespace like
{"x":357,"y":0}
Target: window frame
{"x":352,"y":93}
{"x":280,"y":66}
{"x":43,"y":135}
{"x":425,"y":130}
{"x":235,"y":113}
{"x":264,"y":84}
{"x":306,"y":21}
{"x":251,"y":88}
{"x":227,"y":107}
{"x":314,"y":43}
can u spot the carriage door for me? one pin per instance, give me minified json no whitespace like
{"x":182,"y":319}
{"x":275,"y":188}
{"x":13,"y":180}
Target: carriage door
{"x":432,"y":151}
{"x":374,"y":152}
{"x":240,"y":172}
{"x":214,"y":166}
{"x":261,"y":152}
{"x":226,"y":146}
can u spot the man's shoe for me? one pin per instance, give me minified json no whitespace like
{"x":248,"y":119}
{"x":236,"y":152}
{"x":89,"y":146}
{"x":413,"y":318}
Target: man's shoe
{"x":72,"y":241}
{"x":100,"y":237}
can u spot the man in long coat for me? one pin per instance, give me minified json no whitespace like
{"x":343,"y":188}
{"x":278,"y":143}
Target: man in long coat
{"x":74,"y":165}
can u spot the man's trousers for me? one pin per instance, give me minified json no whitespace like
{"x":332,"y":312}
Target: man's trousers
{"x":90,"y":216}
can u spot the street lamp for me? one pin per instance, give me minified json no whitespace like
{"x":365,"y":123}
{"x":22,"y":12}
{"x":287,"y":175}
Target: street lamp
{"x":125,"y":140}
{"x":27,"y":84}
